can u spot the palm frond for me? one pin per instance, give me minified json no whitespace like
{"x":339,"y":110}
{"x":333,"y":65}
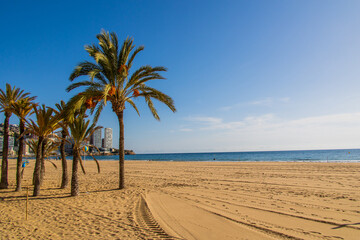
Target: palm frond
{"x":52,"y":163}
{"x":130,"y":101}
{"x":98,"y":111}
{"x":97,"y":163}
{"x":131,"y":59}
{"x":156,"y":94}
{"x":152,"y":108}
{"x":83,"y":83}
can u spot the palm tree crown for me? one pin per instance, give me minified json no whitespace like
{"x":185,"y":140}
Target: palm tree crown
{"x":110,"y":81}
{"x":11,"y":96}
{"x":22,"y":108}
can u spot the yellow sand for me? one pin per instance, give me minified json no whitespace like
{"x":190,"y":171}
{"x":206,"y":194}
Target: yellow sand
{"x":190,"y":200}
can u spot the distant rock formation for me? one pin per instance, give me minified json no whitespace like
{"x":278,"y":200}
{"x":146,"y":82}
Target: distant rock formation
{"x":129,"y":152}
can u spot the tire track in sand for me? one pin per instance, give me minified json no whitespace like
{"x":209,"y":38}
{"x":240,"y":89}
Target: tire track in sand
{"x":150,"y":228}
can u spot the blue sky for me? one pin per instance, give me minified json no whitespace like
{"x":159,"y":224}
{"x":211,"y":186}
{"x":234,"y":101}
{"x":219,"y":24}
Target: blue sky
{"x":245,"y":75}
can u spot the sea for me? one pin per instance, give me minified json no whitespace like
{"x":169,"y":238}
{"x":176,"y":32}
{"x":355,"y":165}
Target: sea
{"x":337,"y":155}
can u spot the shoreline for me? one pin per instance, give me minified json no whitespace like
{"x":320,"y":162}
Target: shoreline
{"x":205,"y":161}
{"x":263,"y":200}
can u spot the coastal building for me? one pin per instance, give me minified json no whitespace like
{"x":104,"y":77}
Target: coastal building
{"x":108,"y":138}
{"x":10,"y":146}
{"x":13,"y":136}
{"x":69,"y":144}
{"x":97,"y":138}
{"x":92,"y":139}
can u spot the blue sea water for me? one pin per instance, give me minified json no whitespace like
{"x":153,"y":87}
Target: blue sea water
{"x":342,"y":155}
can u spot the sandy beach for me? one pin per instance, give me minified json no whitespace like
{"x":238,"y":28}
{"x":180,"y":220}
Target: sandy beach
{"x":189,"y":200}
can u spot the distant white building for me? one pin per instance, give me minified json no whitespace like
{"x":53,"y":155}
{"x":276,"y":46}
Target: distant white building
{"x":97,"y":138}
{"x":10,"y":146}
{"x":108,"y":138}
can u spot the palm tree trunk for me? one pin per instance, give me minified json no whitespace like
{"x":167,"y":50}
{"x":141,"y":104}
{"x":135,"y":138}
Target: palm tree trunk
{"x":19,"y":159}
{"x":37,"y":169}
{"x":4,"y":164}
{"x":65,"y":177}
{"x":74,"y":177}
{"x":42,"y":171}
{"x":121,"y":150}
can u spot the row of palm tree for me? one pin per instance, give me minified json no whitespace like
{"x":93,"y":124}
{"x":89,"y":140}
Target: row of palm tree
{"x":109,"y":81}
{"x":47,"y":120}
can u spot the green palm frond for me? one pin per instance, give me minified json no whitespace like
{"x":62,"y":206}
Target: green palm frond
{"x":152,"y":108}
{"x":82,"y":84}
{"x":130,"y":101}
{"x":98,"y":111}
{"x":131,"y":59}
{"x":156,"y":94}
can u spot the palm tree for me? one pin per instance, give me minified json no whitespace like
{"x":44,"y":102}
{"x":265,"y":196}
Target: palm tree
{"x":7,"y":98}
{"x":110,"y":81}
{"x":50,"y":148}
{"x":46,"y":123}
{"x":80,"y":132}
{"x":22,"y":109}
{"x":66,"y":119}
{"x":64,"y":133}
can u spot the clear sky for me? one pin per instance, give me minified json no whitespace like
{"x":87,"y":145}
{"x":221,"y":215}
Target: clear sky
{"x":245,"y":75}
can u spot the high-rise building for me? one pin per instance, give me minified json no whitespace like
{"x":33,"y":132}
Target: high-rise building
{"x":92,"y":139}
{"x":108,"y":138}
{"x":97,"y":138}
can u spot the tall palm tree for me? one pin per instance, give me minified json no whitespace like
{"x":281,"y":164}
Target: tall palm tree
{"x":7,"y":98}
{"x":46,"y":123}
{"x":64,"y":133}
{"x":22,"y":109}
{"x":110,"y":81}
{"x":80,"y":132}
